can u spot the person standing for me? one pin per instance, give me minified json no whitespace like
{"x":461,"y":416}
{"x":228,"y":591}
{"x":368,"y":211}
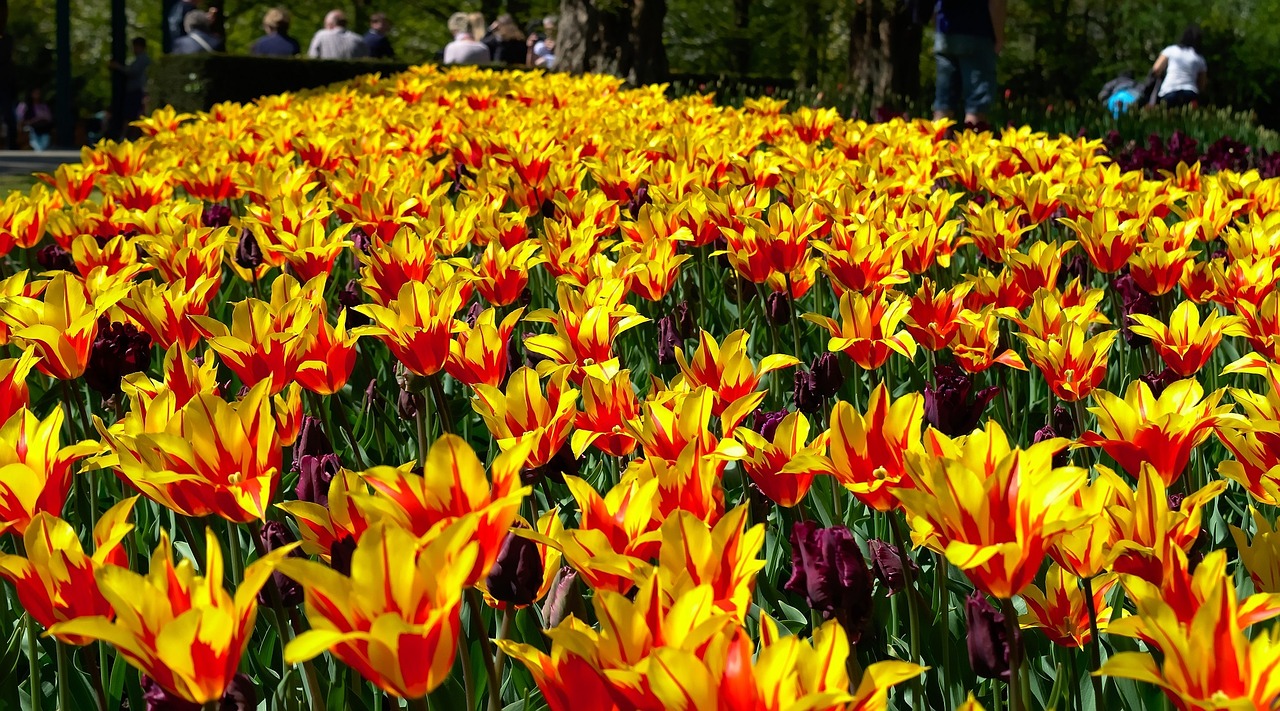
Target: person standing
{"x":1183,"y":70}
{"x":335,"y":41}
{"x":8,"y":80}
{"x":376,"y":38}
{"x":199,"y":37}
{"x":464,"y":49}
{"x":36,"y":118}
{"x":276,"y":42}
{"x":135,"y":81}
{"x":968,"y":37}
{"x":505,"y":41}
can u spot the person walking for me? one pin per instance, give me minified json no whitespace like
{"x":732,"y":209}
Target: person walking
{"x":464,"y":49}
{"x":376,"y":39}
{"x":199,"y":37}
{"x":36,"y":118}
{"x":1183,"y":70}
{"x":968,"y":38}
{"x":276,"y":42}
{"x":335,"y":41}
{"x":135,"y":82}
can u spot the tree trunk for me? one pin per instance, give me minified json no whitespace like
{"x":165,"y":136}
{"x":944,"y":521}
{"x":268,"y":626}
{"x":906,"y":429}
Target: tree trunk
{"x":618,"y":37}
{"x":884,"y":51}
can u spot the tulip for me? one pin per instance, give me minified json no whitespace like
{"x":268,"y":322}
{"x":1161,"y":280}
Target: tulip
{"x":523,"y":413}
{"x":829,"y":571}
{"x":951,"y":406}
{"x":62,"y":326}
{"x":181,"y":629}
{"x":729,"y":372}
{"x":1060,"y":610}
{"x":397,"y":625}
{"x":1085,"y":551}
{"x":1186,"y":344}
{"x":1108,"y":241}
{"x":886,"y":565}
{"x":453,"y":486}
{"x":55,"y":581}
{"x":14,"y":394}
{"x":1148,"y":527}
{"x":990,"y":508}
{"x":314,"y":475}
{"x":119,"y":349}
{"x":1161,"y":431}
{"x":608,"y":404}
{"x":503,"y":274}
{"x":241,"y":695}
{"x":827,"y":376}
{"x":517,"y":572}
{"x":784,"y":465}
{"x":164,"y":311}
{"x":868,"y":329}
{"x":479,"y":355}
{"x":976,"y":341}
{"x":1072,"y":365}
{"x":585,"y":326}
{"x":934,"y":317}
{"x":417,"y":326}
{"x":868,"y":451}
{"x":206,"y":457}
{"x":1238,"y":673}
{"x":988,"y":640}
{"x":1261,"y":554}
{"x":324,"y":367}
{"x":272,"y":536}
{"x":37,"y":469}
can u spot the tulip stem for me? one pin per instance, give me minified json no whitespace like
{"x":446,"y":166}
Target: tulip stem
{"x":64,"y":679}
{"x":944,"y":624}
{"x":795,"y":327}
{"x":237,"y":557}
{"x":282,"y":621}
{"x":418,"y":704}
{"x":422,"y":419}
{"x":913,"y":613}
{"x":486,"y":651}
{"x":1095,"y":641}
{"x":94,"y":669}
{"x":442,"y":404}
{"x":1015,"y":655}
{"x":33,"y":656}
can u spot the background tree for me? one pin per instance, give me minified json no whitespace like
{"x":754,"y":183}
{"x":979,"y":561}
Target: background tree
{"x":619,"y":37}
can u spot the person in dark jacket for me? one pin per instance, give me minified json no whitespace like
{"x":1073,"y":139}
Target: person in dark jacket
{"x":376,"y":38}
{"x":199,"y":37}
{"x":969,"y":36}
{"x":276,"y":42}
{"x":505,"y":41}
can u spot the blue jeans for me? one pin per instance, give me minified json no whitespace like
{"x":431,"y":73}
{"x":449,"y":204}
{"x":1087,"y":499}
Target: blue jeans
{"x":39,"y":141}
{"x":966,"y":73}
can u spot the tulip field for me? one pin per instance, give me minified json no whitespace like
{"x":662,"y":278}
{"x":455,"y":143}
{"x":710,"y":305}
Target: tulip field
{"x":466,"y":390}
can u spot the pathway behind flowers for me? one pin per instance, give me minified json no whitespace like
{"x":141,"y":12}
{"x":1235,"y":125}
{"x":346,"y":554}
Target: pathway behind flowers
{"x":498,"y":391}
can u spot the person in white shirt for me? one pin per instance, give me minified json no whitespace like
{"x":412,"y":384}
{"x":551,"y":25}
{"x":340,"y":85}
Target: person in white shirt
{"x":335,"y":41}
{"x":1183,"y":70}
{"x":464,"y":49}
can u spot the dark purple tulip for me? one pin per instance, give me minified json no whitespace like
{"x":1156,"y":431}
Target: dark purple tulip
{"x":669,"y":341}
{"x":950,"y":404}
{"x":516,"y":575}
{"x":340,"y":555}
{"x":271,"y":536}
{"x":1074,"y":265}
{"x":988,"y":638}
{"x":1159,"y":381}
{"x":248,"y":253}
{"x":804,"y":392}
{"x":827,"y":376}
{"x":311,"y":441}
{"x":682,"y":317}
{"x":473,"y":314}
{"x":887,"y":566}
{"x":563,"y":462}
{"x":778,"y":307}
{"x":362,"y":240}
{"x":216,"y":216}
{"x":766,"y":423}
{"x":638,"y":200}
{"x":349,"y":298}
{"x":372,"y":395}
{"x":119,"y":349}
{"x":408,"y":404}
{"x":1133,"y":301}
{"x":239,"y":696}
{"x":560,"y":600}
{"x":53,"y":258}
{"x":829,"y":571}
{"x":515,"y":358}
{"x":314,"y":475}
{"x":1064,"y":423}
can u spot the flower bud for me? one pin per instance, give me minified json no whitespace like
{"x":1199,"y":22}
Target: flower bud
{"x":1158,"y":381}
{"x":778,"y":307}
{"x":516,"y":575}
{"x":827,"y":376}
{"x":271,"y":536}
{"x":766,"y":423}
{"x":988,"y":640}
{"x":340,"y":555}
{"x":314,"y":475}
{"x":248,"y":253}
{"x":53,"y":258}
{"x":216,"y":216}
{"x":804,"y":392}
{"x":886,"y":564}
{"x":669,"y":341}
{"x":311,"y":441}
{"x":559,"y":601}
{"x":829,"y":571}
{"x":119,"y":349}
{"x":950,"y":405}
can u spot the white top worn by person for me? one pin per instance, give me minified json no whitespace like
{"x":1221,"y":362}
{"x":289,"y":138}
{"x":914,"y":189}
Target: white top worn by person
{"x":464,"y":49}
{"x":1184,"y":66}
{"x":335,"y":41}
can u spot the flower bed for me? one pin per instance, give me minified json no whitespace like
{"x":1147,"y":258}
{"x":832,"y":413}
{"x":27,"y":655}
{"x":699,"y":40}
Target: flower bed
{"x":503,"y":390}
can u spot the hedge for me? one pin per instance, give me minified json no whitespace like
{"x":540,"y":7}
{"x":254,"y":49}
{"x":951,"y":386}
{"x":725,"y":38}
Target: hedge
{"x":195,"y":82}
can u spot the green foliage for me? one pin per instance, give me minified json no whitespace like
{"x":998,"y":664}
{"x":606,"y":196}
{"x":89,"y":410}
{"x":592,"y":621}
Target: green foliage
{"x":197,"y":82}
